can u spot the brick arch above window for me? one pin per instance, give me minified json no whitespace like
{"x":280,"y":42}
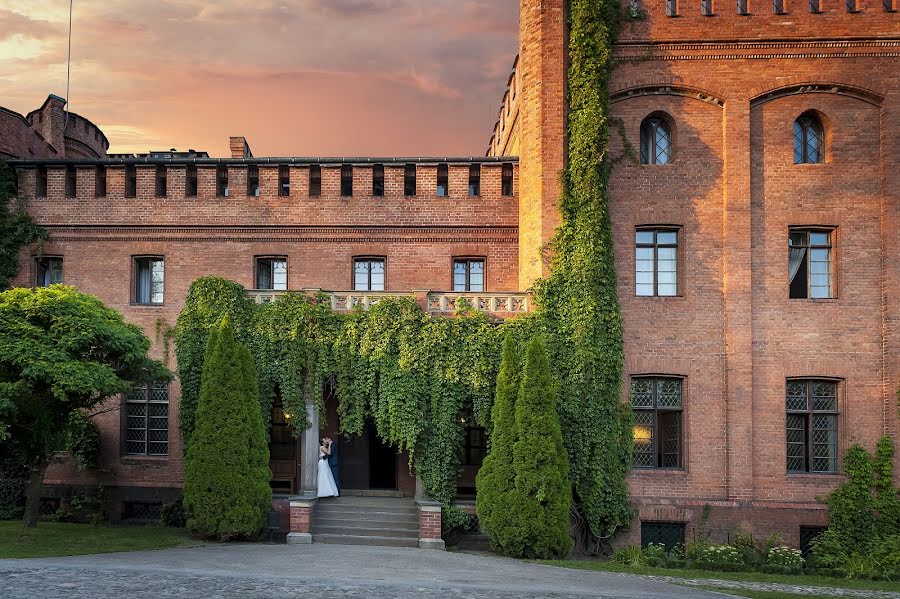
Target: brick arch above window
{"x":636,"y":89}
{"x":851,"y":90}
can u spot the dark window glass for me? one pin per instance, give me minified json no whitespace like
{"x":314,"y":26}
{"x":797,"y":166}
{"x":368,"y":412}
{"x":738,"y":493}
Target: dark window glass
{"x":130,"y":181}
{"x":149,"y":274}
{"x":443,"y":180}
{"x":271,"y":273}
{"x":671,"y":8}
{"x":475,"y":445}
{"x":815,"y":6}
{"x":778,"y":7}
{"x":222,"y":181}
{"x":474,"y":179}
{"x":190,"y":181}
{"x":315,"y":181}
{"x":147,"y":420}
{"x":809,"y":140}
{"x":41,"y":183}
{"x":668,"y":534}
{"x":468,"y":274}
{"x":656,"y":141}
{"x":656,"y":262}
{"x":742,"y":8}
{"x":409,"y":180}
{"x":368,"y":274}
{"x":706,"y":8}
{"x":852,"y":5}
{"x":71,"y":181}
{"x":808,"y":534}
{"x":161,"y":182}
{"x":100,"y":181}
{"x":809,"y":264}
{"x":48,"y":271}
{"x":890,"y":5}
{"x":506,"y":181}
{"x":657,"y":405}
{"x":284,"y":180}
{"x":812,"y":412}
{"x":346,"y":180}
{"x":378,"y":180}
{"x":253,"y":181}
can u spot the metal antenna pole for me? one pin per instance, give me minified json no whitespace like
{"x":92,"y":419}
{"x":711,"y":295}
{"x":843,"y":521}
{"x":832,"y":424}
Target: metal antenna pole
{"x":68,"y":68}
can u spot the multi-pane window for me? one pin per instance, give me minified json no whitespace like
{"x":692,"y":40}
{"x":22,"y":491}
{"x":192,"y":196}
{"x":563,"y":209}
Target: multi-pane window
{"x":706,"y":8}
{"x":852,"y":5}
{"x":190,"y":181}
{"x":443,"y":180}
{"x":149,"y":273}
{"x":657,"y":405}
{"x":271,"y":273}
{"x":147,"y":420}
{"x":222,"y":181}
{"x":474,"y":179}
{"x":742,"y":7}
{"x":812,"y":418}
{"x":468,"y":274}
{"x":130,"y":181}
{"x":378,"y":180}
{"x":815,"y":6}
{"x":409,"y":180}
{"x":671,"y":8}
{"x":284,"y":180}
{"x":41,"y":183}
{"x":506,"y":181}
{"x":809,"y":264}
{"x":71,"y":181}
{"x":656,"y":262}
{"x":778,"y":7}
{"x":161,"y":182}
{"x":346,"y":180}
{"x":48,"y":271}
{"x":315,"y":180}
{"x":253,"y":181}
{"x":100,"y":181}
{"x":809,"y":139}
{"x":368,"y":274}
{"x":656,"y":141}
{"x":475,"y":446}
{"x":667,"y":534}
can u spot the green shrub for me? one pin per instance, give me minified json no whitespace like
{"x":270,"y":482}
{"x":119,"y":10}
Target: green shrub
{"x":783,"y":559}
{"x":172,"y":514}
{"x":540,"y":462}
{"x":629,"y":556}
{"x":885,"y":557}
{"x":13,"y":479}
{"x":496,"y":477}
{"x":226,"y":471}
{"x":725,"y":558}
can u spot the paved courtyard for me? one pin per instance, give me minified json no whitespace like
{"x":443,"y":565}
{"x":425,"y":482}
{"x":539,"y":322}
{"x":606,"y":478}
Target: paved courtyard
{"x":326,"y":571}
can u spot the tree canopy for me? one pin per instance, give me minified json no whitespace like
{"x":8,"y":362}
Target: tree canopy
{"x":61,"y":351}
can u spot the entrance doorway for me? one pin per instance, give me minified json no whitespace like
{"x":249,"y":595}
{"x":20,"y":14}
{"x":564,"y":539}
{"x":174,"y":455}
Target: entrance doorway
{"x":367,"y":462}
{"x":282,"y":451}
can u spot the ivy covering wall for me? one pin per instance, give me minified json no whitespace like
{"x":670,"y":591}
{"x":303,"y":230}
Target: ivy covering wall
{"x":417,"y":377}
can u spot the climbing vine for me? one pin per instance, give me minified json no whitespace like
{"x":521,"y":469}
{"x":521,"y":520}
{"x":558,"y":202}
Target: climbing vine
{"x":16,"y":227}
{"x":578,"y":308}
{"x":416,"y":378}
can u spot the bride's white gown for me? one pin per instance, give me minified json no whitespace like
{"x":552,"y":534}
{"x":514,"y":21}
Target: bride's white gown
{"x":327,"y":487}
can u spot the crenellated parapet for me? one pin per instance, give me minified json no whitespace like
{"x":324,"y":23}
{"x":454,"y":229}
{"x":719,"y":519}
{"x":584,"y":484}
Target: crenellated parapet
{"x":505,"y":137}
{"x":388,"y":191}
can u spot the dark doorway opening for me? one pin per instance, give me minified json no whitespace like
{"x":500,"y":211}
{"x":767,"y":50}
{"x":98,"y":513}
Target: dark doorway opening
{"x":367,"y":462}
{"x":282,"y":451}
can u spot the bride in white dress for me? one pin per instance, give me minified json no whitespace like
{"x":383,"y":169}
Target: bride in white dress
{"x":326,"y":486}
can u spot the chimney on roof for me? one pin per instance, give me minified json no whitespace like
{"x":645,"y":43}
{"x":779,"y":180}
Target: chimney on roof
{"x":240,"y":148}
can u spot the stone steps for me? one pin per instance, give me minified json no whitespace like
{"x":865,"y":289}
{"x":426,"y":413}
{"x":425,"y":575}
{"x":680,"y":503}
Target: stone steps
{"x":366,"y":520}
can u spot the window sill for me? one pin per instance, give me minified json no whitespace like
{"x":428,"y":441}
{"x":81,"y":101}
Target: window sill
{"x":658,"y":472}
{"x":660,"y":298}
{"x":143,"y":458}
{"x":814,"y":300}
{"x":813,"y":476}
{"x":136,"y":305}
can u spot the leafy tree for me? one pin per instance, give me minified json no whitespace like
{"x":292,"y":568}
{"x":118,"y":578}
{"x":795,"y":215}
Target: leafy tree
{"x":226,"y":471}
{"x":61,"y":351}
{"x":496,"y":477}
{"x":16,"y":227}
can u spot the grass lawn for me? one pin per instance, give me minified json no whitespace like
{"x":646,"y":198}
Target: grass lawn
{"x":55,"y":538}
{"x":762,"y":594}
{"x":822,"y":581}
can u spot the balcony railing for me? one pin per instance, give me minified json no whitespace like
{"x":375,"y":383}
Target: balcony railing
{"x":433,"y":302}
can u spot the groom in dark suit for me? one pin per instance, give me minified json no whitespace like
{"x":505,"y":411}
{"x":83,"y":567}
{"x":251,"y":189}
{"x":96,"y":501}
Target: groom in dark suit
{"x":334,"y":462}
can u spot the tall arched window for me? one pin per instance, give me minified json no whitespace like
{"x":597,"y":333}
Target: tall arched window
{"x":656,"y":141}
{"x":809,"y":139}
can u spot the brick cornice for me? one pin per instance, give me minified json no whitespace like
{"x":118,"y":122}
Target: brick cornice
{"x":758,"y":49}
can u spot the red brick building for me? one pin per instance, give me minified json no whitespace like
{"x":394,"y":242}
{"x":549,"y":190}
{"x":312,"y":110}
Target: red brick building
{"x":755,"y":218}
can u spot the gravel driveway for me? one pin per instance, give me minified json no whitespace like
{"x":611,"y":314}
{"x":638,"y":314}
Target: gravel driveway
{"x":329,"y":571}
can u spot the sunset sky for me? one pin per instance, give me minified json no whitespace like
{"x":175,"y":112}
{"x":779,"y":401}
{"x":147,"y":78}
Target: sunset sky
{"x":296,"y":77}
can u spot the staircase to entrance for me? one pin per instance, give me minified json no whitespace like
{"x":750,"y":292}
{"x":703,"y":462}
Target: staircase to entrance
{"x":367,"y":518}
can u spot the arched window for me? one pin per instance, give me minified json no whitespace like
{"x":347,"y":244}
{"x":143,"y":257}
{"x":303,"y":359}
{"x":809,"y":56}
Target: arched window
{"x":809,"y":139}
{"x":656,"y":141}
